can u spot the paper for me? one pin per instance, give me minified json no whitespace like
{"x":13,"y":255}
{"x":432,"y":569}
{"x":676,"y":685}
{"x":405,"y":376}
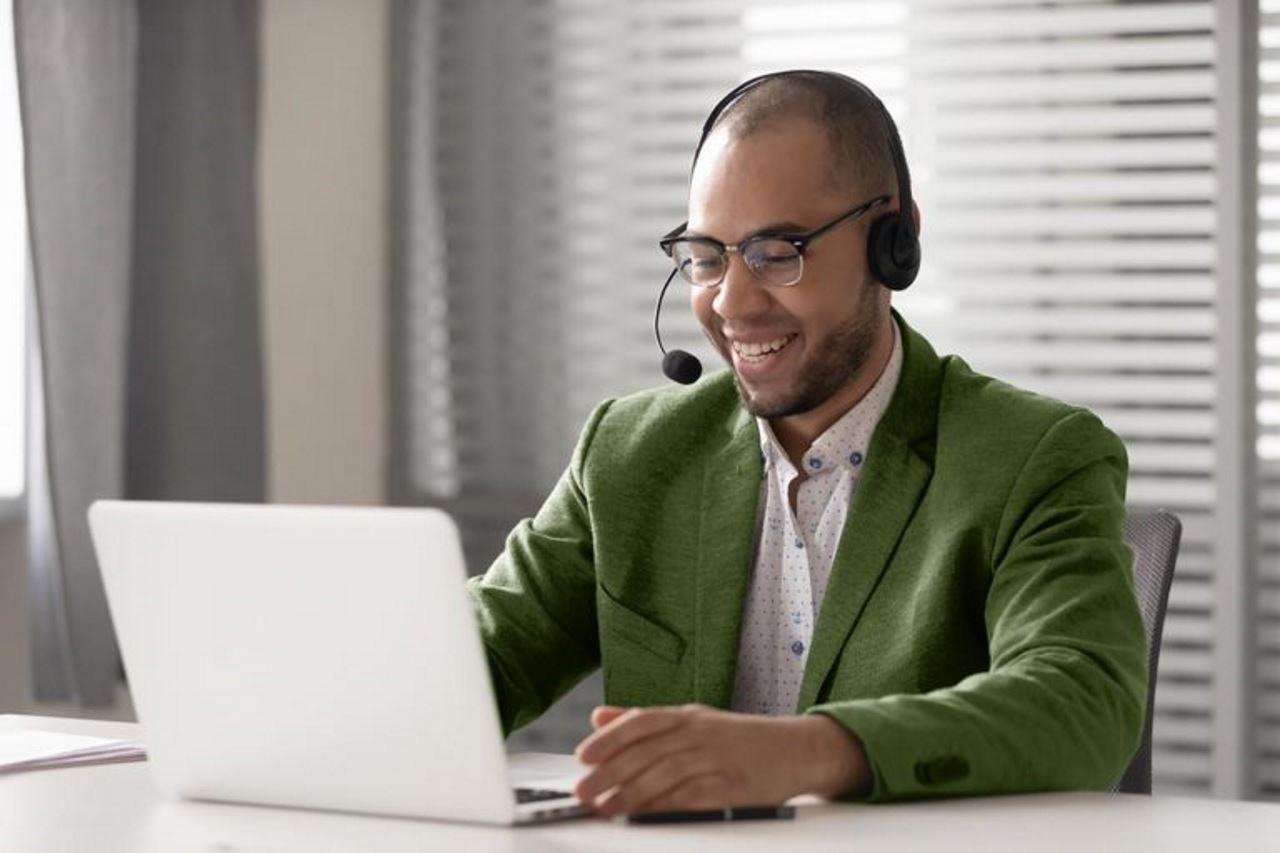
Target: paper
{"x":36,"y":750}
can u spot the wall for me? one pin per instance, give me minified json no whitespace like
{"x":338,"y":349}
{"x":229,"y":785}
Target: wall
{"x":14,"y":648}
{"x":324,"y":235}
{"x":324,"y":230}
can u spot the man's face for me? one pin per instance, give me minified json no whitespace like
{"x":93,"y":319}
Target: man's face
{"x":791,"y":348}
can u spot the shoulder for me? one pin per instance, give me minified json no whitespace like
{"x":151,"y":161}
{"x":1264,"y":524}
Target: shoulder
{"x":989,"y":424}
{"x":670,"y":417}
{"x":656,"y":439}
{"x":983,"y":407}
{"x":1003,"y":453}
{"x":978,"y":422}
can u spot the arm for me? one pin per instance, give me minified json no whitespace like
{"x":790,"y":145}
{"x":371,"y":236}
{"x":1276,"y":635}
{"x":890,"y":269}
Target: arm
{"x":1062,"y":704}
{"x":535,"y":606}
{"x":697,"y":757}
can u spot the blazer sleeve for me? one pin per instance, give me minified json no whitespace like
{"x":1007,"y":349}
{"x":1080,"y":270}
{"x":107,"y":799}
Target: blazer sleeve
{"x":535,"y":606}
{"x":1063,"y":701}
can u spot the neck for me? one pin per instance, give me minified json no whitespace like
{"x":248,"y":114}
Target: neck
{"x":796,"y":433}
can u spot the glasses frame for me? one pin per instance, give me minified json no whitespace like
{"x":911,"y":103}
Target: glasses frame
{"x":799,"y":241}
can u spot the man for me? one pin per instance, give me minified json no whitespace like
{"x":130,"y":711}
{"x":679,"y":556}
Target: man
{"x":844,"y":566}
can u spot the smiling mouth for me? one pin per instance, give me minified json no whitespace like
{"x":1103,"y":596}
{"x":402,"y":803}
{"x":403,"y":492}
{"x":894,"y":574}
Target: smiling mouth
{"x":753,"y":353}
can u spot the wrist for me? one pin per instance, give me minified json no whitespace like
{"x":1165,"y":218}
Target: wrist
{"x":838,"y":759}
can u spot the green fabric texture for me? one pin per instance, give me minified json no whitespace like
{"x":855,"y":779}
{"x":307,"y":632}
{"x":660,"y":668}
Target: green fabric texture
{"x":979,"y":632}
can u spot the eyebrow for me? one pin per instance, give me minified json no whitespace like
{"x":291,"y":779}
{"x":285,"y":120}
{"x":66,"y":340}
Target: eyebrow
{"x":772,"y":229}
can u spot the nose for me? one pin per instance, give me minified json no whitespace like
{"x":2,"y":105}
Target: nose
{"x":741,"y":294}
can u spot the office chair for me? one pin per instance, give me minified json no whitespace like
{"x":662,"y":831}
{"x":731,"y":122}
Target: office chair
{"x":1153,"y":536}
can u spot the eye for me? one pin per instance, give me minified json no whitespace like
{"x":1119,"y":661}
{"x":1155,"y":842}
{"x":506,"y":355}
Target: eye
{"x":772,"y":253}
{"x":699,"y":263}
{"x":700,"y":267}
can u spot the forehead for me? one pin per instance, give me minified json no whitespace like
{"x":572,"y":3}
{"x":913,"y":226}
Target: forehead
{"x":776,"y":173}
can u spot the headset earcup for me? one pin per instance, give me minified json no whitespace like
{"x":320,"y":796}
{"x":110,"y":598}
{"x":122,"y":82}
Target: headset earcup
{"x":893,"y":272}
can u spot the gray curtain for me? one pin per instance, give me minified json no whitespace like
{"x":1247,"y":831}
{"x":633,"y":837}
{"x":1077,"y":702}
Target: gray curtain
{"x":139,"y":122}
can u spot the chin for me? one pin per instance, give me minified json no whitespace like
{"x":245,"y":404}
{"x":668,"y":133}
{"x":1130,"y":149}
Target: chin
{"x":765,"y":405}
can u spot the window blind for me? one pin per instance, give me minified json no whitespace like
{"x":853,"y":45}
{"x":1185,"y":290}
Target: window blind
{"x":1064,"y":156}
{"x":1268,"y":307}
{"x":1064,"y":161}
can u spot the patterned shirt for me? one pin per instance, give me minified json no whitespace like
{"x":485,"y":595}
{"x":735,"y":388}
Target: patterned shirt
{"x":795,"y":550}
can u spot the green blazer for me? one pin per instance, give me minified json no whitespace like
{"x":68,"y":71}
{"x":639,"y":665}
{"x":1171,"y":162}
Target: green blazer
{"x":979,"y":633}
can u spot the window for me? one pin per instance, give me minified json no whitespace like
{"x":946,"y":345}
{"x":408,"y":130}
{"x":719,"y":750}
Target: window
{"x":1068,"y":156}
{"x":13,"y":271}
{"x":1267,"y":667}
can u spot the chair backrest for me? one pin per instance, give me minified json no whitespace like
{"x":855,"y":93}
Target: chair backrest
{"x":1153,"y":536}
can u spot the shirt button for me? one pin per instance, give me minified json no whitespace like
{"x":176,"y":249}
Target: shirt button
{"x":815,"y":463}
{"x":797,"y":648}
{"x":799,"y":543}
{"x":855,"y":458}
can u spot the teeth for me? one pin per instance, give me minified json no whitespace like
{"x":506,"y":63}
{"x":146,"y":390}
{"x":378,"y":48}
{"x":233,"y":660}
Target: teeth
{"x":755,"y":350}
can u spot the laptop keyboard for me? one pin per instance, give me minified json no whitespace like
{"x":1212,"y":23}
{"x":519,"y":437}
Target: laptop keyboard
{"x":534,"y":795}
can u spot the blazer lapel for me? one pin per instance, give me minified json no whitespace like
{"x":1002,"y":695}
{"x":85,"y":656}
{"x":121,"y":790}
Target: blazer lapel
{"x":899,"y":465}
{"x":726,"y":545}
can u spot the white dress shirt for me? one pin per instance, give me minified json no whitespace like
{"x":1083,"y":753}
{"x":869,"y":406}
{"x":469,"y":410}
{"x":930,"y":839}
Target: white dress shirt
{"x":795,"y":550}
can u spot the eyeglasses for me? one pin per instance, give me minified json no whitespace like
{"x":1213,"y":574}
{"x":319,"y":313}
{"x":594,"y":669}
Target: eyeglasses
{"x":775,"y":259}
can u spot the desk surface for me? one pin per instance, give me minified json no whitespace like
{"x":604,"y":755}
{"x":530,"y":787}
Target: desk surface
{"x":116,"y":809}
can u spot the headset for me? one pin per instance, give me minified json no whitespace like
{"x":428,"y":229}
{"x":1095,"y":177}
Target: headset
{"x":893,"y":247}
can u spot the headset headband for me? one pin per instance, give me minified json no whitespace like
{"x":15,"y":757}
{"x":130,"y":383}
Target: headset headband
{"x":906,"y":219}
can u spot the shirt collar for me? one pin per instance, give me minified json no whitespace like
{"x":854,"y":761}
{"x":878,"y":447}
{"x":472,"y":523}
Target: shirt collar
{"x":845,"y":442}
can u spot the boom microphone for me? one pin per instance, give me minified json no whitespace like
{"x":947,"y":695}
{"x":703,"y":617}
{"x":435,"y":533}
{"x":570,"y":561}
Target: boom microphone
{"x":677,"y":365}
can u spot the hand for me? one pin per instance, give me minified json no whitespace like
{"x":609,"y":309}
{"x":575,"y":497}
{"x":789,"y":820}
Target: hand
{"x":696,"y":757}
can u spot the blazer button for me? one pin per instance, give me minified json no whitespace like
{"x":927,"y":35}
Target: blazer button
{"x":939,"y":771}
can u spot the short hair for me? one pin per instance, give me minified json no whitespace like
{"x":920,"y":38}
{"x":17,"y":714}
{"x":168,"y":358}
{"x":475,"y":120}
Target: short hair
{"x":854,"y":121}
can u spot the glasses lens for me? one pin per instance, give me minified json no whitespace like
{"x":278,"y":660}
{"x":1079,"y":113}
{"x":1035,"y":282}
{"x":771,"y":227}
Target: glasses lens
{"x":700,"y":263}
{"x":774,"y":262}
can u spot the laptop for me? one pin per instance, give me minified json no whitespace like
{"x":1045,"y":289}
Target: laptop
{"x":316,"y":657}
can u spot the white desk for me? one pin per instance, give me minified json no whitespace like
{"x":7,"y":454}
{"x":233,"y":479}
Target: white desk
{"x":116,"y":809}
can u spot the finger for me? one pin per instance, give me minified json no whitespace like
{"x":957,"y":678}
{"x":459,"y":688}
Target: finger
{"x":626,"y":765}
{"x":602,"y":715}
{"x":628,"y":728}
{"x":661,"y":778}
{"x":702,"y":791}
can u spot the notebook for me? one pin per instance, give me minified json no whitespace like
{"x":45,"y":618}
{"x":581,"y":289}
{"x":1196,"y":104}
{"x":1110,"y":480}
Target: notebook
{"x":41,"y":750}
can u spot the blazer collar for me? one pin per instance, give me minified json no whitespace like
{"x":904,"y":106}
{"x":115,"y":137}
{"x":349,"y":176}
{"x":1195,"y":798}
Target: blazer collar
{"x":899,"y":465}
{"x":898,"y":469}
{"x":726,"y":550}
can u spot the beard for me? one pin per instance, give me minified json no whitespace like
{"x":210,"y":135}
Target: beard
{"x":836,"y":361}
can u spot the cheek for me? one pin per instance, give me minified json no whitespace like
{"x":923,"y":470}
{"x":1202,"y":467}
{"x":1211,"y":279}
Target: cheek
{"x":800,"y":308}
{"x":701,"y":301}
{"x":823,"y":304}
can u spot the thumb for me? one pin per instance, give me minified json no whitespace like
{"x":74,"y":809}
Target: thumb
{"x":603,"y":715}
